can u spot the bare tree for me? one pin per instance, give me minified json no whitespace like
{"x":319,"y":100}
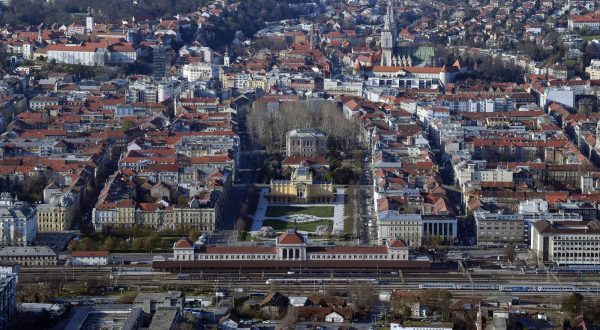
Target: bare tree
{"x":510,"y":253}
{"x":290,"y":318}
{"x":364,"y":296}
{"x":268,"y":127}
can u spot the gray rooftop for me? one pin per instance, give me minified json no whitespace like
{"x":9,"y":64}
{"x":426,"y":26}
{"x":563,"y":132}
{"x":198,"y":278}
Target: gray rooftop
{"x":26,"y":251}
{"x":124,"y":317}
{"x":164,"y":318}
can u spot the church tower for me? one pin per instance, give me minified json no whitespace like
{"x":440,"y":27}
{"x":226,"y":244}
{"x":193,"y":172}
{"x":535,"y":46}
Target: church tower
{"x":226,"y":59}
{"x":597,"y":135}
{"x":313,"y":37}
{"x":388,"y":36}
{"x":89,"y":22}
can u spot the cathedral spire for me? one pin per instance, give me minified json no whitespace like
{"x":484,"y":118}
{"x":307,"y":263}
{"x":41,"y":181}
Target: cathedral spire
{"x":388,"y":23}
{"x":388,"y":35}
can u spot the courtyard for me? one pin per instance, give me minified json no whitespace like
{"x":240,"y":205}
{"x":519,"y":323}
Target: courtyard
{"x":304,"y":217}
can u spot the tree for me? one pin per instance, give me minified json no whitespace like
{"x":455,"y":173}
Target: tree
{"x":154,"y":240}
{"x":439,"y":301}
{"x":123,"y":246}
{"x":72,"y":246}
{"x":127,"y":298}
{"x":590,"y":309}
{"x":180,"y":230}
{"x":290,"y":318}
{"x":33,"y":189}
{"x":572,"y":304}
{"x":343,"y":175}
{"x":193,"y":234}
{"x":137,"y":244}
{"x":110,"y":244}
{"x":87,"y":244}
{"x":364,"y":296}
{"x":510,"y":253}
{"x":127,"y":124}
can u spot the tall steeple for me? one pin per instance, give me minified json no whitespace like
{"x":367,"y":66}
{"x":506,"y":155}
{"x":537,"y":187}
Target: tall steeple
{"x":89,"y":22}
{"x":598,"y":135}
{"x":226,"y":58}
{"x":388,"y":35}
{"x":313,"y":37}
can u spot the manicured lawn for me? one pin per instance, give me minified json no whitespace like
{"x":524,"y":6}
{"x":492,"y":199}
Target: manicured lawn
{"x":317,"y":211}
{"x":588,"y":38}
{"x":311,"y":226}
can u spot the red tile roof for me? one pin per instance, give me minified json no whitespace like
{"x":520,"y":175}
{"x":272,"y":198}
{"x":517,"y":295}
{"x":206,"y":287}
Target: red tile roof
{"x":291,"y":237}
{"x":397,"y":243}
{"x":183,"y":243}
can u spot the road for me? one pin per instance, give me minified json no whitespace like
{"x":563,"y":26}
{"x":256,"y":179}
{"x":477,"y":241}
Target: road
{"x":367,"y":213}
{"x":246,"y":172}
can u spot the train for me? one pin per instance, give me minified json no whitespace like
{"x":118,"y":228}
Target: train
{"x":321,"y":281}
{"x":576,"y":269}
{"x":511,"y":287}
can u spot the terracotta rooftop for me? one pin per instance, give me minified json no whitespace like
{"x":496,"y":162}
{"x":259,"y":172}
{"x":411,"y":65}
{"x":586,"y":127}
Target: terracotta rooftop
{"x":291,"y":237}
{"x":184,"y":243}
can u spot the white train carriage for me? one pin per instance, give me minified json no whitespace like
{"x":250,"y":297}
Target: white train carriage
{"x":555,"y":288}
{"x":517,"y":288}
{"x":321,"y":281}
{"x":445,"y":286}
{"x":587,"y":289}
{"x":477,"y":286}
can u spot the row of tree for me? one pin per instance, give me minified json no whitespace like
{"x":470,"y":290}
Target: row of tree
{"x":138,"y":239}
{"x":268,"y":127}
{"x":65,"y":11}
{"x":248,"y":17}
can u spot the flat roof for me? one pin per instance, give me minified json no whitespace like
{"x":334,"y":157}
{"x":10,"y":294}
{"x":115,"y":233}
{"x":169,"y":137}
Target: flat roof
{"x":164,"y":318}
{"x":117,"y":316}
{"x":26,"y":251}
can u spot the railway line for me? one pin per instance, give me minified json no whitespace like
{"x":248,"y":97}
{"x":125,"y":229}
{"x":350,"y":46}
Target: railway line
{"x":143,"y":278}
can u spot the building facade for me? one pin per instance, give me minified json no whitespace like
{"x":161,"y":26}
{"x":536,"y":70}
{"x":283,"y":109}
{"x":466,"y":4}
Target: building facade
{"x":498,"y":228}
{"x":301,"y":188}
{"x":415,"y":229}
{"x":8,"y":299}
{"x":29,"y":255}
{"x":198,"y":71}
{"x":566,"y":242}
{"x":18,"y":222}
{"x":88,"y":55}
{"x":290,"y":246}
{"x":89,"y":258}
{"x":56,"y":213}
{"x":306,"y":142}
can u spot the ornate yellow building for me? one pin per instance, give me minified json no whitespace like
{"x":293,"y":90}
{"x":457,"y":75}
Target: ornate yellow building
{"x":300,"y":189}
{"x":54,"y":218}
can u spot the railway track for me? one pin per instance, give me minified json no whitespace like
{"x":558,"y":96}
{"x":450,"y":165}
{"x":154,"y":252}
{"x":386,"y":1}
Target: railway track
{"x":144,"y":279}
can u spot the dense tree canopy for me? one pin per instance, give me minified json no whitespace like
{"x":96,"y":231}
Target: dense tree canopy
{"x":66,"y":11}
{"x":248,"y":17}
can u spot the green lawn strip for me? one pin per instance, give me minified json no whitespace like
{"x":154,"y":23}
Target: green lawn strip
{"x":588,"y":38}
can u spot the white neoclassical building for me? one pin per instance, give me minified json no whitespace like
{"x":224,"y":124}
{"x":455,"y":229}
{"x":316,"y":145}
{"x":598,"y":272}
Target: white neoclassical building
{"x":290,"y":246}
{"x":18,"y":222}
